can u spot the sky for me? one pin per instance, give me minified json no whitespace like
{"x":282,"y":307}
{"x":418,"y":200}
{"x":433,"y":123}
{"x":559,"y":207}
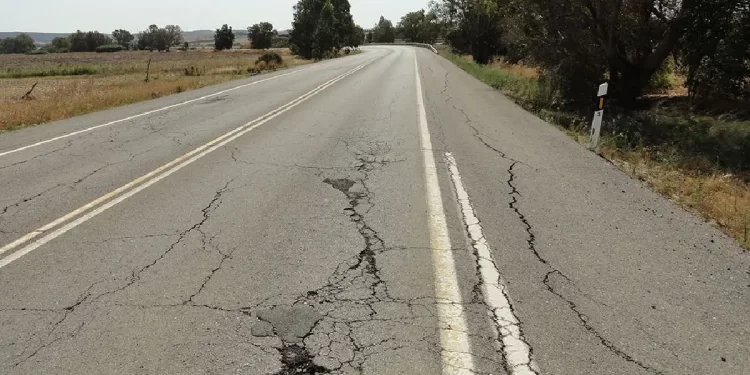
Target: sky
{"x":56,"y":16}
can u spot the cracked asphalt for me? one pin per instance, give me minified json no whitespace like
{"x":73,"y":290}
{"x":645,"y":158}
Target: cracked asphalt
{"x":303,"y":247}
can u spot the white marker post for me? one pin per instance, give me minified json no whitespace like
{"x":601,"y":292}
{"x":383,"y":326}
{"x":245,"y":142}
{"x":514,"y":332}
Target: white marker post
{"x":596,"y":126}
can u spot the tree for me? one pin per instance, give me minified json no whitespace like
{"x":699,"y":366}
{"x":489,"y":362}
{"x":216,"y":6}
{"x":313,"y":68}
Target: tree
{"x":370,"y":37}
{"x":325,"y":34}
{"x":88,"y":41}
{"x":384,"y":31}
{"x":420,"y":27}
{"x":123,"y":38}
{"x":308,"y":36}
{"x":357,"y":37}
{"x":714,"y":49}
{"x":19,"y":44}
{"x":261,"y":35}
{"x":224,"y":38}
{"x":582,"y":41}
{"x":160,"y":39}
{"x":60,"y":44}
{"x":172,"y":36}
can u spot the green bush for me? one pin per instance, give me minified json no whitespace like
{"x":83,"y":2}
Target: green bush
{"x":109,"y":48}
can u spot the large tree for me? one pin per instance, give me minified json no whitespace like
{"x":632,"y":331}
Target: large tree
{"x":172,"y":36}
{"x":384,"y":32}
{"x":123,"y":38}
{"x":586,"y":40}
{"x":420,"y":27}
{"x":306,"y":28}
{"x":224,"y":38}
{"x":261,"y":35}
{"x":60,"y":44}
{"x":88,"y":41}
{"x":160,"y":39}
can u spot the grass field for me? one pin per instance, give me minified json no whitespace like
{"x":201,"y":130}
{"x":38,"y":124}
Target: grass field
{"x":698,"y":158}
{"x":71,"y":84}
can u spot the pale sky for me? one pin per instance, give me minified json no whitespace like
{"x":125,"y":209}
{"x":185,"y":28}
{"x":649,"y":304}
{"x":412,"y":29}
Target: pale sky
{"x":64,"y":16}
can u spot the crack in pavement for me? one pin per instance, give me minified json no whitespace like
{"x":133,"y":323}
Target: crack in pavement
{"x":67,"y":144}
{"x":585,"y":323}
{"x":66,"y":311}
{"x":207,"y":211}
{"x":88,"y":299}
{"x":349,"y":297}
{"x":515,"y":195}
{"x":531,"y":238}
{"x":28,"y":199}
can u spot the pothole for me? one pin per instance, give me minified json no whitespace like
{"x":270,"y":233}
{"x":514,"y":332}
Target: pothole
{"x":296,"y":360}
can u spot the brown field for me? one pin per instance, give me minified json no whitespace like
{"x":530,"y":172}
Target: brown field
{"x":76,"y":83}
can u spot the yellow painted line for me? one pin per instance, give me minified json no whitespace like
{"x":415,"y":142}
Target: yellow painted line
{"x":454,"y":331}
{"x":151,"y":178}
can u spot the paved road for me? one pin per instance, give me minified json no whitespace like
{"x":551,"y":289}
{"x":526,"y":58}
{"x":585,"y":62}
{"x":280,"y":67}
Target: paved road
{"x":383,"y":213}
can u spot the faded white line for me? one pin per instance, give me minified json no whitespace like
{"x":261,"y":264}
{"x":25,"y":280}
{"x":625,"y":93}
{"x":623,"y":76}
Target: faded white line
{"x":152,"y":177}
{"x":516,"y":350}
{"x":454,"y":331}
{"x":4,"y":153}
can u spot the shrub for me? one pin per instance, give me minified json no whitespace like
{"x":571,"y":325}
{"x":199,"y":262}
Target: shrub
{"x":192,"y":71}
{"x":109,"y":48}
{"x":270,"y":58}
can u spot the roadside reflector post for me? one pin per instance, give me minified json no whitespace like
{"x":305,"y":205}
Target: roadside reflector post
{"x":596,"y":125}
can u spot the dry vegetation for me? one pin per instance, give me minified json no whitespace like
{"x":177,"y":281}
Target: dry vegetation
{"x":681,"y":162}
{"x":76,"y":83}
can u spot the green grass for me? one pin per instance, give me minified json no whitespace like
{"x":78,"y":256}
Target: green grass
{"x":524,"y":90}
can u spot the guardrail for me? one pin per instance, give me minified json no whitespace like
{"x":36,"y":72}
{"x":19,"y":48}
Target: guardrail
{"x":420,"y":45}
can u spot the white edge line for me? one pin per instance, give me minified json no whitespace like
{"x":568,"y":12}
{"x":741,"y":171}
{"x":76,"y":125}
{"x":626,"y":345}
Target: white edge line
{"x":4,"y":153}
{"x":180,"y":163}
{"x":516,"y":351}
{"x":454,"y":333}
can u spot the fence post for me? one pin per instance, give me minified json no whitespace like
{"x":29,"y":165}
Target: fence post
{"x":596,"y":126}
{"x":148,"y":70}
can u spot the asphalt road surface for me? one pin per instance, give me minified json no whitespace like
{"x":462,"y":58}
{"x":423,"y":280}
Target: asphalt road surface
{"x":383,"y":213}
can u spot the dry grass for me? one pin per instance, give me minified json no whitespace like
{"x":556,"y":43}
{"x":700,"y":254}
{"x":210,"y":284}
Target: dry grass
{"x":115,"y":79}
{"x":723,"y":200}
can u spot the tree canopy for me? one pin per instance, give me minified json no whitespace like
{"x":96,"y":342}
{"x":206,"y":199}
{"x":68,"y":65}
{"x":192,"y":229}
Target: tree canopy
{"x":19,"y":44}
{"x":384,"y":32}
{"x":261,"y":35}
{"x":321,"y":27}
{"x":88,"y":41}
{"x":581,"y":43}
{"x":223,"y":38}
{"x":160,"y":39}
{"x":123,"y":38}
{"x":420,"y":27}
